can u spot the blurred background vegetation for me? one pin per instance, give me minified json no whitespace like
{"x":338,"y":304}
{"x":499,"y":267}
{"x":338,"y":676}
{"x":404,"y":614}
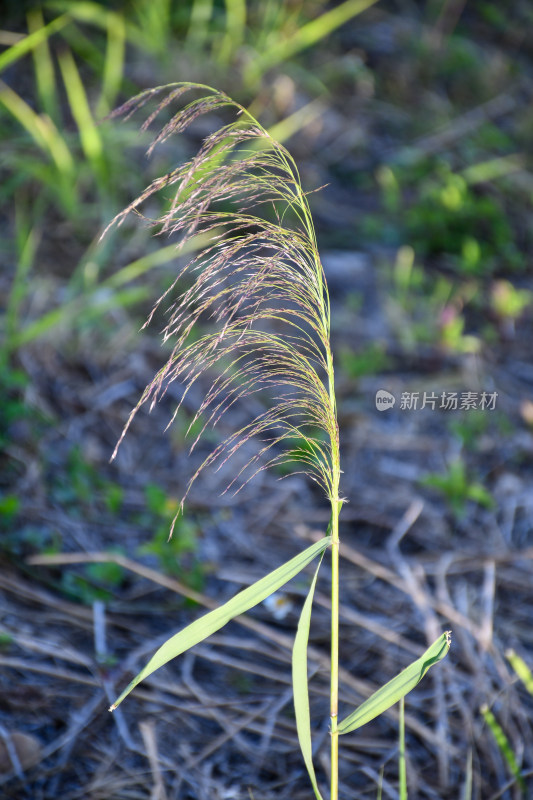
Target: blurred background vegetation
{"x":418,"y":119}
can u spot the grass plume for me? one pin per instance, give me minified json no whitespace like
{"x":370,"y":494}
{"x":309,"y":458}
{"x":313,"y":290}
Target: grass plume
{"x":260,"y":283}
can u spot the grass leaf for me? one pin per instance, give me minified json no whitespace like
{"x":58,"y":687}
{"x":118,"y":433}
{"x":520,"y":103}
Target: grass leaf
{"x":203,"y":627}
{"x":90,"y":138}
{"x":34,"y":39}
{"x":300,"y":684}
{"x":398,"y":687}
{"x":309,"y":34}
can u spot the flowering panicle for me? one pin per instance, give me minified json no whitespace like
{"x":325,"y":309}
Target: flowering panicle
{"x":258,"y":281}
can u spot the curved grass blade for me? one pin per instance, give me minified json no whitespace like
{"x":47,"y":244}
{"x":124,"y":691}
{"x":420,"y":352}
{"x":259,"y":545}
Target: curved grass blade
{"x":203,"y":627}
{"x":300,"y":686}
{"x":398,"y":687}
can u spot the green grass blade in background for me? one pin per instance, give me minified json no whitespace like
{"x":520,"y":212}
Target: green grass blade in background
{"x":102,"y":295}
{"x":290,"y":125}
{"x":41,"y":129}
{"x":199,"y":20}
{"x":235,"y":29}
{"x":113,"y":72}
{"x":153,"y":18}
{"x":300,"y":684}
{"x":44,"y":68}
{"x":309,"y":34}
{"x":27,"y":44}
{"x":503,"y":744}
{"x":136,"y":269}
{"x":85,"y":11}
{"x":90,"y":138}
{"x":201,"y":628}
{"x":521,"y":669}
{"x":398,"y":687}
{"x":28,"y":238}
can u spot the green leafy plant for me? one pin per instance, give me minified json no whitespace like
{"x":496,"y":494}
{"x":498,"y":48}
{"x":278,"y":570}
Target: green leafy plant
{"x":261,"y":282}
{"x":425,"y":310}
{"x":473,"y":428}
{"x":451,"y":217}
{"x":371,"y":360}
{"x":42,"y":152}
{"x":12,"y":384}
{"x":176,"y":555}
{"x":457,"y":487}
{"x":93,"y":582}
{"x":81,"y":484}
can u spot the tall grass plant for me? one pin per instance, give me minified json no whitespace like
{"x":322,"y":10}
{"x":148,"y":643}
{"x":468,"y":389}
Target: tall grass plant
{"x":260,"y":281}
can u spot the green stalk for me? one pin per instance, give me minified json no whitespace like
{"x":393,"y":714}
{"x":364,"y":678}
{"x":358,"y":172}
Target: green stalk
{"x":335,"y":511}
{"x":336,"y":505}
{"x":402,"y":765}
{"x":334,"y":686}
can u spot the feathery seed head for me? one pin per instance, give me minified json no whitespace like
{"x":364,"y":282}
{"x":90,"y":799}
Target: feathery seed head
{"x":259,"y":282}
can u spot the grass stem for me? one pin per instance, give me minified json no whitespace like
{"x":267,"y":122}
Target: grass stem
{"x":334,"y":686}
{"x":402,"y":764}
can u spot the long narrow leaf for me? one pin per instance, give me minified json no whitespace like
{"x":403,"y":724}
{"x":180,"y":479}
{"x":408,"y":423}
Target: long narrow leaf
{"x":300,"y":686}
{"x":42,"y":130}
{"x":114,"y":63}
{"x":312,"y":32}
{"x":201,"y":628}
{"x":90,"y":138}
{"x":44,"y":68}
{"x":27,"y":44}
{"x":398,"y":687}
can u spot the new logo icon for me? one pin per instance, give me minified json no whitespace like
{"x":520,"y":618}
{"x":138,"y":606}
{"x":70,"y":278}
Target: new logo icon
{"x":384,"y":400}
